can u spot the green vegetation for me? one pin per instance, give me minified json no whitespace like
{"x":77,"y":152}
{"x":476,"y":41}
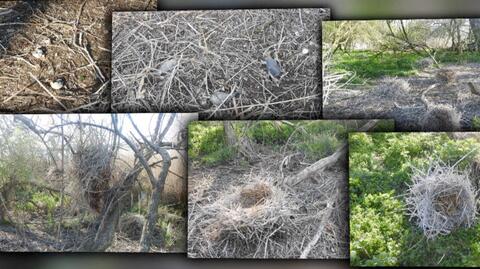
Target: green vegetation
{"x":207,"y":143}
{"x":380,"y":169}
{"x":476,"y":123}
{"x":368,"y":65}
{"x":315,"y":139}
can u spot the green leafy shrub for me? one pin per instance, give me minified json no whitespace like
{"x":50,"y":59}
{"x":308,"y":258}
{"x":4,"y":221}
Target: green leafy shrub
{"x":376,"y":228}
{"x":476,"y":123}
{"x":319,"y":146}
{"x":270,"y":132}
{"x":207,"y":143}
{"x":418,"y":251}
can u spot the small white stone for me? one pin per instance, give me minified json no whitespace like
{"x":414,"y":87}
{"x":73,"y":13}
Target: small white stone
{"x":47,"y":41}
{"x":39,"y":53}
{"x":218,"y":98}
{"x":305,"y":51}
{"x":57,"y":84}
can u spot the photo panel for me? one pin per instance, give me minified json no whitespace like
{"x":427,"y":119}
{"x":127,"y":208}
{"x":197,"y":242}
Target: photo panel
{"x":55,"y":55}
{"x":93,"y":182}
{"x":421,"y":72}
{"x":414,"y":199}
{"x":223,"y":64}
{"x":270,"y":189}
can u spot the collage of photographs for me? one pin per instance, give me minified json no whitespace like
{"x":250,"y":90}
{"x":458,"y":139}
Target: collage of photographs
{"x":239,"y":133}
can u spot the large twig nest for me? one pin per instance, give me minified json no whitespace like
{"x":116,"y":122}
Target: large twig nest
{"x":392,"y":88}
{"x":131,"y":225}
{"x":441,"y":200}
{"x":441,"y":118}
{"x":245,"y":219}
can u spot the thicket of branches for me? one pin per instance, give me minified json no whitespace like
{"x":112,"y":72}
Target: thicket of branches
{"x":68,"y":182}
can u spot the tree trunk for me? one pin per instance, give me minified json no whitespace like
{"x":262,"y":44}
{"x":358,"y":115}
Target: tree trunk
{"x":475,"y":30}
{"x":103,"y":230}
{"x":242,"y":145}
{"x":149,"y":227}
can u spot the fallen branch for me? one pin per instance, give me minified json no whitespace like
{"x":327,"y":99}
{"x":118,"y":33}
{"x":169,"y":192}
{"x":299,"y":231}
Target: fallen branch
{"x":326,"y":162}
{"x":321,"y":226}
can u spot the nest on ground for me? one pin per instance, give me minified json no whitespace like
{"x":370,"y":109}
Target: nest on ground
{"x":425,"y":63}
{"x":251,"y":220}
{"x":189,"y":57}
{"x":441,"y":118}
{"x":441,"y":200}
{"x":131,"y":225}
{"x":392,"y":88}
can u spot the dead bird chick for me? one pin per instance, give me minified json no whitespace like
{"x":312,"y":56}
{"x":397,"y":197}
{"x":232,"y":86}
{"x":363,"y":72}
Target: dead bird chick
{"x":57,"y":83}
{"x":273,"y":68}
{"x":218,"y":98}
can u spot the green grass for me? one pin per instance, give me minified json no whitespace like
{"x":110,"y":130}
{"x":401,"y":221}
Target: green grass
{"x":380,"y":169}
{"x":476,"y":123}
{"x":369,"y":65}
{"x":207,"y":143}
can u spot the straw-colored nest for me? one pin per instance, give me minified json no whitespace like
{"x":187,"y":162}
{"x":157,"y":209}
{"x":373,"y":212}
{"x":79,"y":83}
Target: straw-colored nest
{"x":246,"y":218}
{"x":441,"y":200}
{"x":441,"y":118}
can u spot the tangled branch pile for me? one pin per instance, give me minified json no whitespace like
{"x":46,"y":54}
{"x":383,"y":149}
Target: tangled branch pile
{"x":441,"y":200}
{"x":251,"y":219}
{"x":92,"y":167}
{"x":182,"y":61}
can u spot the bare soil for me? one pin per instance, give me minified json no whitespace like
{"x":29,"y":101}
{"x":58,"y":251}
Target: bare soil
{"x":75,"y":36}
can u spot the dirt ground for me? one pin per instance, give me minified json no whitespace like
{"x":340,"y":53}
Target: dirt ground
{"x":207,"y":185}
{"x":37,"y":240}
{"x":405,"y":104}
{"x":74,"y":41}
{"x":179,"y":61}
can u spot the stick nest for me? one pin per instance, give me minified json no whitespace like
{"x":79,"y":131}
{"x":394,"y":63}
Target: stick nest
{"x":441,"y":200}
{"x":245,"y":219}
{"x":92,"y":167}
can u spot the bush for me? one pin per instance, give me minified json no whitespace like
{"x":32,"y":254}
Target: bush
{"x":376,"y":228}
{"x":207,"y":143}
{"x":476,"y":123}
{"x":319,"y":146}
{"x":270,"y":132}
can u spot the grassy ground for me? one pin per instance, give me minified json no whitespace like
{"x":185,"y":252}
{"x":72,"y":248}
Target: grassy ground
{"x":369,"y":65}
{"x":381,"y":233}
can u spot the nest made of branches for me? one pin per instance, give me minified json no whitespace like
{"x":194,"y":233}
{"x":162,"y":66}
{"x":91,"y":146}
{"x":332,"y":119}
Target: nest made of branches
{"x":92,"y":167}
{"x":441,"y":200}
{"x":178,"y":60}
{"x":250,"y":218}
